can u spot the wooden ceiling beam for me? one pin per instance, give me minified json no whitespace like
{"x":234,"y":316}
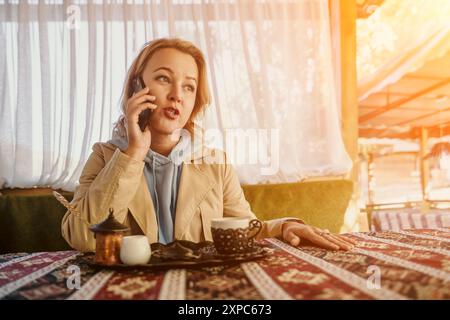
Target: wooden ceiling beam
{"x":422,"y":117}
{"x":385,"y":133}
{"x":414,"y":76}
{"x":373,"y":133}
{"x":400,"y":102}
{"x":436,"y":131}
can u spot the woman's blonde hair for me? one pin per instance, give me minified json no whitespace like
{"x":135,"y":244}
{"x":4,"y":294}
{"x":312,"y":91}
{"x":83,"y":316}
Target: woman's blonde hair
{"x":202,"y":98}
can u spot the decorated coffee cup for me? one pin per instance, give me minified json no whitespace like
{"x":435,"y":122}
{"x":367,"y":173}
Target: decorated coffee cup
{"x":233,"y":235}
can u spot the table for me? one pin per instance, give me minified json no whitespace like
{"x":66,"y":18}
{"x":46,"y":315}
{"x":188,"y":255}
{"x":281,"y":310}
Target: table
{"x":411,"y":264}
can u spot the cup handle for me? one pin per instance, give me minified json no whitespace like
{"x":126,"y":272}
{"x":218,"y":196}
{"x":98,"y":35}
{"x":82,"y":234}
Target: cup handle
{"x":254,"y":224}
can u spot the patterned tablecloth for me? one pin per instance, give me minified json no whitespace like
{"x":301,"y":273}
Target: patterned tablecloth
{"x":412,"y":264}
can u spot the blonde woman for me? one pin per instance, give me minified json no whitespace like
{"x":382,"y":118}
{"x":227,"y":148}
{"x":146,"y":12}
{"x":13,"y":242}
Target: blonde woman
{"x":150,"y":173}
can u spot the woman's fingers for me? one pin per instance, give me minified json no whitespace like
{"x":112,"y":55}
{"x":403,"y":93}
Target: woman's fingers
{"x":321,"y":241}
{"x":319,"y":237}
{"x":137,"y":104}
{"x":147,"y":105}
{"x":335,"y":239}
{"x":338,"y":237}
{"x":141,"y":99}
{"x":134,"y":113}
{"x":293,"y":239}
{"x":140,"y":92}
{"x":135,"y":101}
{"x":352,"y":241}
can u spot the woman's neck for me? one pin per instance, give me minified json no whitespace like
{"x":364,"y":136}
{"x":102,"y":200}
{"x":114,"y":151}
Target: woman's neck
{"x":163,"y":144}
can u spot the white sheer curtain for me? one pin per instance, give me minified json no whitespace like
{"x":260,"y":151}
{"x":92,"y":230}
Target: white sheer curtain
{"x":400,"y":37}
{"x":270,"y":69}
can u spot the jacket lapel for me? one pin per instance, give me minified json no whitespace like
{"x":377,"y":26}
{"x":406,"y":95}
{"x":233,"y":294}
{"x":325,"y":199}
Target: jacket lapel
{"x":143,"y":211}
{"x":194,"y":185}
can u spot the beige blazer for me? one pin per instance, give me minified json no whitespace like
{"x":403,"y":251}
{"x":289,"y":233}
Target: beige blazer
{"x":112,"y":179}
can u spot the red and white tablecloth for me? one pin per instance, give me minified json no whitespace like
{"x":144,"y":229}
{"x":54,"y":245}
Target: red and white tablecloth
{"x":413,"y":264}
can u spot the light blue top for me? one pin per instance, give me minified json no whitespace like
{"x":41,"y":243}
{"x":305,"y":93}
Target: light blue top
{"x":163,"y":178}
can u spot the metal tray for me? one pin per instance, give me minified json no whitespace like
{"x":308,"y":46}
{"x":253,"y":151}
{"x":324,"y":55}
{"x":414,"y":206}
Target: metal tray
{"x":186,"y":254}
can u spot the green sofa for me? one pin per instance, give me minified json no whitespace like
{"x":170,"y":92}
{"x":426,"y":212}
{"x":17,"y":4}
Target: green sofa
{"x":318,"y":203}
{"x":31,"y":221}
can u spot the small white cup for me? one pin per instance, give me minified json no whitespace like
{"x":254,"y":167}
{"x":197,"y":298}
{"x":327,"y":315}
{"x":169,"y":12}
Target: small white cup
{"x":135,"y":250}
{"x":230,"y":223}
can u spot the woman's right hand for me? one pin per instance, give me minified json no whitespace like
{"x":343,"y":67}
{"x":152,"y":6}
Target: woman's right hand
{"x":138,"y":141}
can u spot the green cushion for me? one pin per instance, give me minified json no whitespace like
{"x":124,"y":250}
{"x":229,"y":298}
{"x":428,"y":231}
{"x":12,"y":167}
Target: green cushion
{"x":31,"y":223}
{"x":318,"y":203}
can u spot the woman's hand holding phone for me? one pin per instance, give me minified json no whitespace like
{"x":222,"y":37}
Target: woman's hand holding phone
{"x":138,"y":140}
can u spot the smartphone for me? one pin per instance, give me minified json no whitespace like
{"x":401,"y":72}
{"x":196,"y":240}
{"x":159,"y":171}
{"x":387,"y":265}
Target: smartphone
{"x":144,"y":116}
